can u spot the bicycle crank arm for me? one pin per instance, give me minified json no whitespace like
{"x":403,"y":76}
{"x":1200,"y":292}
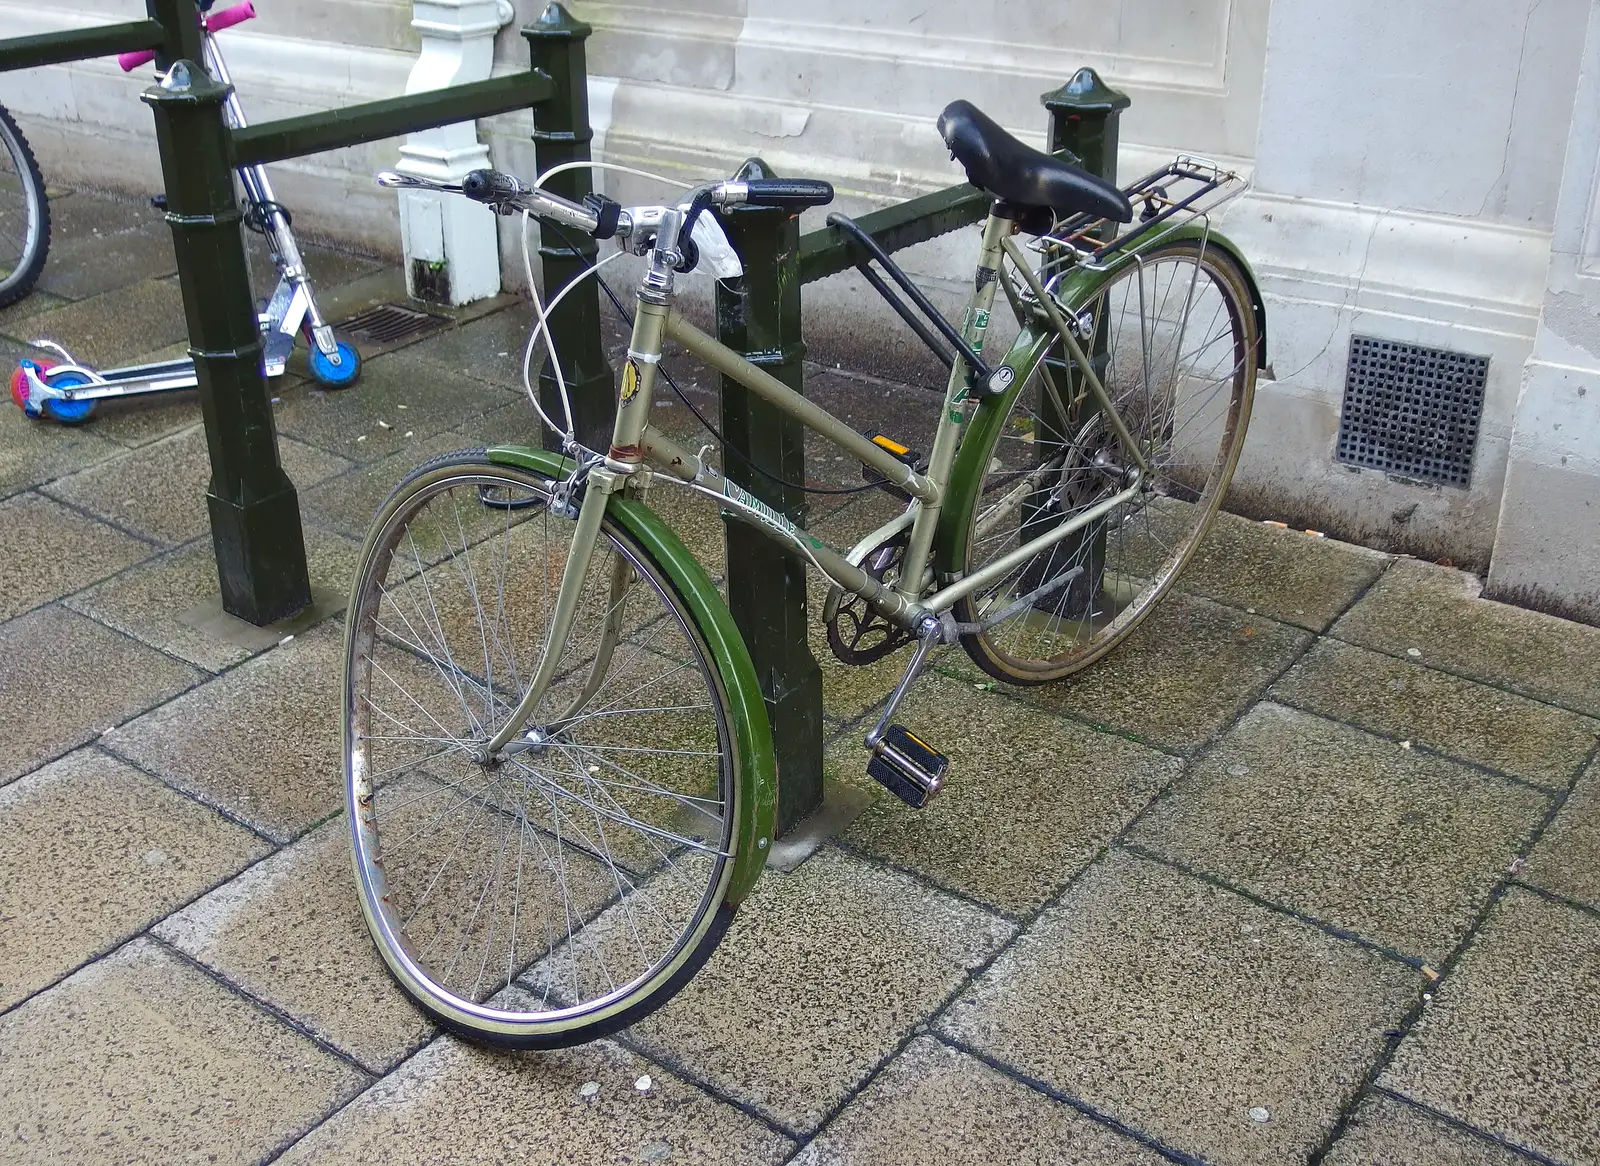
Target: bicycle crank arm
{"x":903,"y":763}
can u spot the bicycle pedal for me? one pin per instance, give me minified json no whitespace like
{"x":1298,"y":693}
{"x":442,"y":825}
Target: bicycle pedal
{"x":908,"y":767}
{"x":901,"y":453}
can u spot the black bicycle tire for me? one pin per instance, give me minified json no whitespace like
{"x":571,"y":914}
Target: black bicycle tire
{"x":21,"y":280}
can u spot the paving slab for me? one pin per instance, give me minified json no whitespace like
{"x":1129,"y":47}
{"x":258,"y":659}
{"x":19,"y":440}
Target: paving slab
{"x":452,"y":1103}
{"x":933,"y":1103}
{"x":155,"y":601}
{"x":1187,"y":670}
{"x":290,"y":931}
{"x":1399,"y":847}
{"x":406,"y":392}
{"x":328,"y":268}
{"x":148,"y":1060}
{"x":1028,"y":801}
{"x":1176,"y":1008}
{"x":1510,"y":1042}
{"x":29,"y":305}
{"x":1285,"y":574}
{"x":1435,"y":615}
{"x":826,"y":970}
{"x":93,"y":851}
{"x":1565,"y":860}
{"x":490,"y":346}
{"x":1387,"y":1132}
{"x":34,"y":451}
{"x":136,"y":421}
{"x":261,"y":741}
{"x":65,"y":679}
{"x":82,"y":267}
{"x":908,"y":415}
{"x":159,"y":490}
{"x":348,"y":502}
{"x":93,"y":216}
{"x":1487,"y":726}
{"x":111,"y":329}
{"x":513,"y":424}
{"x":48,"y":550}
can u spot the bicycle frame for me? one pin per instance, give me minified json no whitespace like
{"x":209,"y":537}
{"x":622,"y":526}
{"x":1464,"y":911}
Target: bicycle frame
{"x":638,"y":454}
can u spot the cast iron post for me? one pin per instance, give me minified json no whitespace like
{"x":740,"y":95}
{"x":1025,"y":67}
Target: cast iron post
{"x":561,"y":133}
{"x":1084,"y":116}
{"x":766,"y":585}
{"x":255,"y":516}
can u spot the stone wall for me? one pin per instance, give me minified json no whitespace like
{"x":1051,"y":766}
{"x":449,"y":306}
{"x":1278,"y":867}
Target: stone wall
{"x":1422,"y":173}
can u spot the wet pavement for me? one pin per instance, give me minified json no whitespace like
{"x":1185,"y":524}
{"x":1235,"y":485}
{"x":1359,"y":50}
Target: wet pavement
{"x":1309,"y":870}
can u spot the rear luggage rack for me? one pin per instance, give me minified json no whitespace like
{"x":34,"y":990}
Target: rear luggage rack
{"x":1188,"y":187}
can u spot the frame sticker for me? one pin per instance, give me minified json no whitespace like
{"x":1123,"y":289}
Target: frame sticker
{"x":630,"y":381}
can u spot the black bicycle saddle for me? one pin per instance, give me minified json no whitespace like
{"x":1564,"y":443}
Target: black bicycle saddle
{"x":1020,"y":175}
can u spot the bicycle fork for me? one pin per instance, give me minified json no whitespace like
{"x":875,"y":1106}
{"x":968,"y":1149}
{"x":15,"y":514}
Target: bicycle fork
{"x":601,"y":484}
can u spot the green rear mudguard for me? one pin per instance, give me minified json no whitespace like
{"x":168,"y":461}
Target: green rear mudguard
{"x":966,"y":475}
{"x":755,"y":775}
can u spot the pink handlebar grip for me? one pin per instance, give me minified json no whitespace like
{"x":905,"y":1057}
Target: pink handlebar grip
{"x":216,"y":22}
{"x":229,"y":17}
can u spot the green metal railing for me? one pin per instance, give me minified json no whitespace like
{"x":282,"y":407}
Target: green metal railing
{"x":760,"y":317}
{"x":255,"y":515}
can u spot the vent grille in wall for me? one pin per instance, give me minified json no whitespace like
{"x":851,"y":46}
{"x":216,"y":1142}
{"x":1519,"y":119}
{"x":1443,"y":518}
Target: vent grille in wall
{"x":1411,"y":410}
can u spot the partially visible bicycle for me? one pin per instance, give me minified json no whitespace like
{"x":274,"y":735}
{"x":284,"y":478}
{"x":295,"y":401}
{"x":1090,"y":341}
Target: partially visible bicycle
{"x":559,"y":771}
{"x":24,"y":214}
{"x":67,"y":391}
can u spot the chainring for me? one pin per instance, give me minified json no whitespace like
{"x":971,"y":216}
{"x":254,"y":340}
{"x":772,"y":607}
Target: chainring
{"x":857,"y":634}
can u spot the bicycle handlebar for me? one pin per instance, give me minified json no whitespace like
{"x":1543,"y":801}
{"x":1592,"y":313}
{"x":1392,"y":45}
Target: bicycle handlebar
{"x":502,"y":193}
{"x":788,"y":193}
{"x":214,"y":23}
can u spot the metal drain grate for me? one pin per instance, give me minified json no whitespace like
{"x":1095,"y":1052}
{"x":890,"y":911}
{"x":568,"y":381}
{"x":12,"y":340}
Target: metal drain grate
{"x":1411,"y":410}
{"x":389,"y":322}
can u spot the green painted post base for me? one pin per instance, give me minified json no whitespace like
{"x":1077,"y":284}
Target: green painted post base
{"x":260,"y":553}
{"x":255,"y":517}
{"x":767,"y":596}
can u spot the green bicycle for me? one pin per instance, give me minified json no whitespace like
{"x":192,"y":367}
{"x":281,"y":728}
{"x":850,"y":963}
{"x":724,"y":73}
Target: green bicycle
{"x":559,"y":769}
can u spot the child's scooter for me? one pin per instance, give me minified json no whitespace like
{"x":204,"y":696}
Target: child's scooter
{"x":67,"y":391}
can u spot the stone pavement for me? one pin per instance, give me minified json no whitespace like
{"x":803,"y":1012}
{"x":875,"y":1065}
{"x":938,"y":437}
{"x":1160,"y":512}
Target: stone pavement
{"x":1307,"y":871}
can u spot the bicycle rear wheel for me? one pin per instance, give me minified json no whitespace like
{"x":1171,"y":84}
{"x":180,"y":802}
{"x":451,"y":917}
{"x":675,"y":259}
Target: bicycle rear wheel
{"x":1174,"y":341}
{"x":24,"y":214}
{"x":574,"y":885}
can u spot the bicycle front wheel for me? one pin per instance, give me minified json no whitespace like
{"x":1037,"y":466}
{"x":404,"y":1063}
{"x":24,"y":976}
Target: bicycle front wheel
{"x":24,"y":214}
{"x":571,"y":885}
{"x":1174,"y":343}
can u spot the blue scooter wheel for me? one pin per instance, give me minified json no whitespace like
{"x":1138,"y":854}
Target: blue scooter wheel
{"x":67,"y":412}
{"x":336,"y":376}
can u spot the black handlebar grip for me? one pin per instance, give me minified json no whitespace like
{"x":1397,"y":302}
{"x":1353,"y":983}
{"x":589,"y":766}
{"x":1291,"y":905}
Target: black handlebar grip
{"x":490,"y":186}
{"x":793,"y":193}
